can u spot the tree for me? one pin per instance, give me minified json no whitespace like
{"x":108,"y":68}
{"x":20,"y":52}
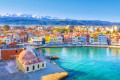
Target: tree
{"x":107,"y":32}
{"x":6,"y":27}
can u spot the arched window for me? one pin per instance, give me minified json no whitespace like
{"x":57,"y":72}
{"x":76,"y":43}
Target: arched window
{"x":38,"y":66}
{"x":33,"y":67}
{"x":43,"y":65}
{"x":27,"y":68}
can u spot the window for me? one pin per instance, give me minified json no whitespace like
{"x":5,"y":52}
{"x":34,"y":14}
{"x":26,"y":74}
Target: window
{"x":16,"y":51}
{"x":38,"y":66}
{"x":43,"y":65}
{"x":33,"y":67}
{"x":27,"y":68}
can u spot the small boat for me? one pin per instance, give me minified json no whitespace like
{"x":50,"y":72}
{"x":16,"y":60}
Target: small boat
{"x":52,"y":57}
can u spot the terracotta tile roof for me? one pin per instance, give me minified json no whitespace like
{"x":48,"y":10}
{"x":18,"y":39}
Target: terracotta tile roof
{"x":2,"y":36}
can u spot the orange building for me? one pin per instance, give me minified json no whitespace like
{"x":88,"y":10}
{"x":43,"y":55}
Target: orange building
{"x":115,"y":40}
{"x":9,"y":54}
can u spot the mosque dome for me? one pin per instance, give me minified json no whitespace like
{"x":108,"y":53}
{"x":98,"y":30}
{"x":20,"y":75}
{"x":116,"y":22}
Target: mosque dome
{"x":26,"y":63}
{"x":31,"y":62}
{"x":26,"y":55}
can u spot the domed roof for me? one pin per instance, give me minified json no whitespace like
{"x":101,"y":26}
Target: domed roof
{"x":36,"y":61}
{"x":31,"y":62}
{"x":26,"y":63}
{"x":26,"y":55}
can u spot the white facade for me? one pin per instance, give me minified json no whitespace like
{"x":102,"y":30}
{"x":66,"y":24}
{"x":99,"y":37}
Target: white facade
{"x":74,"y":40}
{"x":59,"y":39}
{"x":34,"y":67}
{"x":36,"y":40}
{"x":91,"y":40}
{"x":15,"y":38}
{"x":102,"y":39}
{"x":8,"y":40}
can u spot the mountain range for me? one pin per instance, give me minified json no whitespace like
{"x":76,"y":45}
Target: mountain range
{"x":28,"y":19}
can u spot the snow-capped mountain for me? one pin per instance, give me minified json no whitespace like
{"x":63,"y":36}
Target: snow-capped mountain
{"x":29,"y":19}
{"x":30,"y":16}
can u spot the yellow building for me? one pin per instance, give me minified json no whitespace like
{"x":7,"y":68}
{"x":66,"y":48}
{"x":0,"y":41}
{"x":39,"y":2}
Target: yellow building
{"x":94,"y":39}
{"x":47,"y":38}
{"x":53,"y":39}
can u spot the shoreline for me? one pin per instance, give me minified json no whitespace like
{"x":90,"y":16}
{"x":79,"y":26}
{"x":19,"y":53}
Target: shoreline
{"x":104,"y":46}
{"x":51,"y":68}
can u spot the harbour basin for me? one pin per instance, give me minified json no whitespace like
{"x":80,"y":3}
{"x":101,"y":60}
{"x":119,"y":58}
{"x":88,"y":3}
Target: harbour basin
{"x":87,"y":63}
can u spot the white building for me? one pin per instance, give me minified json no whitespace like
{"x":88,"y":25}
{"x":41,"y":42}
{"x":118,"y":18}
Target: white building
{"x":8,"y":40}
{"x":15,"y":38}
{"x":59,"y":39}
{"x":91,"y":40}
{"x":102,"y":39}
{"x":35,"y":41}
{"x":28,"y":62}
{"x":74,"y":40}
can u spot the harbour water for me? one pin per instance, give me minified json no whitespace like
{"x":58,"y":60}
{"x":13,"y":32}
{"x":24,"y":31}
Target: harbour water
{"x":87,"y":63}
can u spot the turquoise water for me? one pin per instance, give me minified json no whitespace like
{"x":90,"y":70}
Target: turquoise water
{"x":88,"y":63}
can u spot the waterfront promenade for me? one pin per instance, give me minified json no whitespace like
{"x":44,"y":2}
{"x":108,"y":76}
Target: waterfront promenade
{"x":52,"y":46}
{"x":51,"y":68}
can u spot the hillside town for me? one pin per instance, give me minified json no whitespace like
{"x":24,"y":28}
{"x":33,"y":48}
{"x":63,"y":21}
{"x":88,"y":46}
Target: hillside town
{"x":60,"y":35}
{"x":18,"y":37}
{"x":18,"y":42}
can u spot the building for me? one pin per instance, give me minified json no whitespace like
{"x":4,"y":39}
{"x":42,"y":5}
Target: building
{"x":53,"y":39}
{"x":94,"y":39}
{"x":115,"y":40}
{"x":102,"y":39}
{"x":74,"y":40}
{"x":47,"y":38}
{"x":3,"y":38}
{"x":15,"y":38}
{"x":35,"y":41}
{"x":23,"y":37}
{"x":66,"y":39}
{"x":84,"y":39}
{"x":28,"y":62}
{"x":10,"y":54}
{"x":59,"y":39}
{"x":69,"y":39}
{"x":8,"y":40}
{"x":12,"y":44}
{"x":79,"y":40}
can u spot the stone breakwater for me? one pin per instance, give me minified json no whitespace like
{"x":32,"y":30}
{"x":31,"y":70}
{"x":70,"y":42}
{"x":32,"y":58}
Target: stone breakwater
{"x":55,"y":76}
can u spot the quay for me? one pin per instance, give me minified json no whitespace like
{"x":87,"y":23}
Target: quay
{"x":57,"y":46}
{"x":8,"y":71}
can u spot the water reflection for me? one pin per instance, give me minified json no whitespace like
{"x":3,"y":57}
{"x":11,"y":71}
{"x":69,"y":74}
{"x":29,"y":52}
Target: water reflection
{"x":107,"y":52}
{"x":82,"y":52}
{"x":93,"y":61}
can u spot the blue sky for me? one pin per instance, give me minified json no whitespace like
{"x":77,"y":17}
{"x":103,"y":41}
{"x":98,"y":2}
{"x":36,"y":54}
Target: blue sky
{"x":106,"y":10}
